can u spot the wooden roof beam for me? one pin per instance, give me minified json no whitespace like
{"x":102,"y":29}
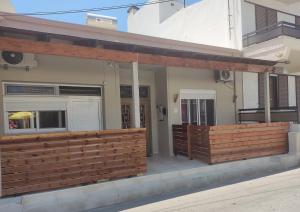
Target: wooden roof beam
{"x":68,"y":50}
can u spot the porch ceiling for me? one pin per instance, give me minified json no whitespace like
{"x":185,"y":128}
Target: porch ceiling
{"x":198,"y":61}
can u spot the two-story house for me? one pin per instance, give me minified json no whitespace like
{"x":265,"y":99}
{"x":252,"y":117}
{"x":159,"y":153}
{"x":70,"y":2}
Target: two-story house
{"x":266,"y":29}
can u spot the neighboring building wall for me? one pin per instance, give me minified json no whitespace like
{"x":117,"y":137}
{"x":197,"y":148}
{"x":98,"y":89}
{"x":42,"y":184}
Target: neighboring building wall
{"x":101,"y":21}
{"x":285,"y":12}
{"x":167,"y":9}
{"x":52,"y":69}
{"x":292,"y":7}
{"x":144,"y":21}
{"x":282,"y":48}
{"x":205,"y":22}
{"x":248,"y":17}
{"x":7,"y":6}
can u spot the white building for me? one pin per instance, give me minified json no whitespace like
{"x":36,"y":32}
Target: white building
{"x":267,"y":29}
{"x":7,"y":6}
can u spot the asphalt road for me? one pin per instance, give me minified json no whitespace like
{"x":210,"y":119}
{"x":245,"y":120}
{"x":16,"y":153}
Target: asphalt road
{"x":278,"y":192}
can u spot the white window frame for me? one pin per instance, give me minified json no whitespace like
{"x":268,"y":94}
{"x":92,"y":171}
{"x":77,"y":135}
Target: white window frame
{"x":32,"y":129}
{"x":198,"y":95}
{"x":47,"y":98}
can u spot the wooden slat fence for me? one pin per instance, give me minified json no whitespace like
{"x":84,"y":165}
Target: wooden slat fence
{"x":216,"y":144}
{"x":238,"y":142}
{"x":180,"y":144}
{"x":32,"y":163}
{"x":198,"y":143}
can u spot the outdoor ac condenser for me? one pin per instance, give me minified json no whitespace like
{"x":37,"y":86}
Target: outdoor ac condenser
{"x":223,"y":76}
{"x":17,"y":60}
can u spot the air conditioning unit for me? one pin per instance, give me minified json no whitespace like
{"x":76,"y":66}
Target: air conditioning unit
{"x":17,"y":60}
{"x":223,"y":76}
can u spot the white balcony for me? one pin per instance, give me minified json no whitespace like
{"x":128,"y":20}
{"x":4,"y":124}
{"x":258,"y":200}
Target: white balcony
{"x":280,"y":42}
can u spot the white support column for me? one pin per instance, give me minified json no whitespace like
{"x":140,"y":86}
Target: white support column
{"x":267,"y":97}
{"x":136,"y":95}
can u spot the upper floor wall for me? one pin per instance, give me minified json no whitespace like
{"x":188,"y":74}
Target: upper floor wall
{"x":147,"y":19}
{"x":210,"y":22}
{"x":285,"y":6}
{"x":258,"y":15}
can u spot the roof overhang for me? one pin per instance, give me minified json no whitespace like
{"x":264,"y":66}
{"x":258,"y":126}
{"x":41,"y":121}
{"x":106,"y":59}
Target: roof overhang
{"x":143,"y":49}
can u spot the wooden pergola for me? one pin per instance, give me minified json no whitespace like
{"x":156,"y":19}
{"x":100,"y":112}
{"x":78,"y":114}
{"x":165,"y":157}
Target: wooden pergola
{"x":40,"y":42}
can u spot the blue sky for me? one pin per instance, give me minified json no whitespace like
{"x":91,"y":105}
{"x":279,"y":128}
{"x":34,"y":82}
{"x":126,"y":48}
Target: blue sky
{"x":24,"y":6}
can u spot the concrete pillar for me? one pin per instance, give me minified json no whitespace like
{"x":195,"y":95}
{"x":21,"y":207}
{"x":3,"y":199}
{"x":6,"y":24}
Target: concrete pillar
{"x":267,"y":97}
{"x":297,"y":82}
{"x":136,"y":95}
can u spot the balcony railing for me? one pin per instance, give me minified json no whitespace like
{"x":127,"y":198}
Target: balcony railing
{"x":279,"y":114}
{"x":271,"y":32}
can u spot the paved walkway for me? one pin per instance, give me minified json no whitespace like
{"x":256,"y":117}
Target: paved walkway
{"x":279,"y":192}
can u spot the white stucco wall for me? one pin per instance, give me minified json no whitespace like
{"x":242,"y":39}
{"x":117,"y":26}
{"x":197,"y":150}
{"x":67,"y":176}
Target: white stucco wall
{"x":292,"y":91}
{"x":204,"y":80}
{"x":145,"y":21}
{"x":285,"y":17}
{"x":205,"y":22}
{"x":7,"y":6}
{"x":66,"y":70}
{"x":167,"y":9}
{"x":248,"y":17}
{"x":292,"y":7}
{"x":248,"y":12}
{"x":250,"y":90}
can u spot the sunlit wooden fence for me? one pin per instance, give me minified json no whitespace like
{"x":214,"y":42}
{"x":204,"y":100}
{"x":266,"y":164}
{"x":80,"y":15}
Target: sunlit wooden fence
{"x":216,"y":144}
{"x":41,"y":162}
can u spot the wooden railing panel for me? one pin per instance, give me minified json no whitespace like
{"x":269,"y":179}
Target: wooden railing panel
{"x":199,"y":142}
{"x":33,"y":163}
{"x":180,"y":143}
{"x":216,"y":144}
{"x":238,"y":142}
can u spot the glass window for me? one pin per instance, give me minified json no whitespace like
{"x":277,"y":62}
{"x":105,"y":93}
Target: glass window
{"x":202,"y":112}
{"x":52,"y":119}
{"x":210,"y":112}
{"x":27,"y":120}
{"x":144,"y":92}
{"x":21,"y":120}
{"x":184,"y":111}
{"x":126,"y":91}
{"x":198,"y":111}
{"x":79,"y":91}
{"x":15,"y":89}
{"x":193,"y":111}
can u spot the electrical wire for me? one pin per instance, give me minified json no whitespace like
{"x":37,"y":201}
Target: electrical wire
{"x":62,"y":12}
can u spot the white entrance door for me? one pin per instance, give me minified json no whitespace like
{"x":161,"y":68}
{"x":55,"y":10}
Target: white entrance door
{"x":85,"y":114}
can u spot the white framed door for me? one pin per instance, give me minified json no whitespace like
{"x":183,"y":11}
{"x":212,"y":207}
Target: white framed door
{"x":85,"y":114}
